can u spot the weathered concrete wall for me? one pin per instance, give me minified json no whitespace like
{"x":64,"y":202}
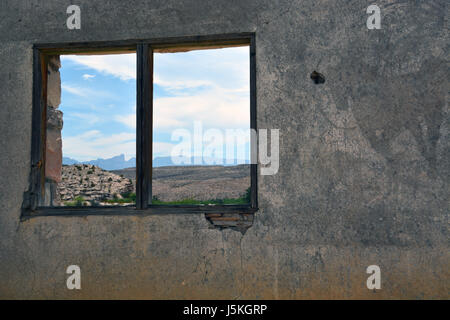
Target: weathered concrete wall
{"x":364,"y":158}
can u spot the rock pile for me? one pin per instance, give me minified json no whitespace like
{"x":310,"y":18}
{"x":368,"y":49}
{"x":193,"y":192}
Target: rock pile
{"x":92,"y":183}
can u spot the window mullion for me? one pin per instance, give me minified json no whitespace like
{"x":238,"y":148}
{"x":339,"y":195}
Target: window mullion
{"x":144,"y":125}
{"x":253,"y":126}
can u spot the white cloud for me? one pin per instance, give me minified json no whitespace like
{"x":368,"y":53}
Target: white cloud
{"x":122,"y":66}
{"x":93,"y":144}
{"x":85,"y":92}
{"x":73,"y":90}
{"x":162,"y":149}
{"x":227,"y":68}
{"x":221,"y":99}
{"x":88,"y":118}
{"x":88,"y":76}
{"x":128,"y":120}
{"x":180,"y":84}
{"x":215,"y":109}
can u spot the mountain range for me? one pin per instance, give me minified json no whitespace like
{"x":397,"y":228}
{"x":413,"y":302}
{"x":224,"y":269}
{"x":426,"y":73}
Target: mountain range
{"x":119,"y":162}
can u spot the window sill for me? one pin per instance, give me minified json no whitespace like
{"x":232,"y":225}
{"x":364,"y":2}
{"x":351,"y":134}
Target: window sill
{"x":236,"y":217}
{"x":212,"y":210}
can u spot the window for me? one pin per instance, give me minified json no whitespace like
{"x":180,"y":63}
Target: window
{"x":90,"y":131}
{"x":201,"y":127}
{"x":142,"y":194}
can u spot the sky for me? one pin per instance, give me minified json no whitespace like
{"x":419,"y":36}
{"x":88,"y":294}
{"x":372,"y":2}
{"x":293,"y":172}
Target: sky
{"x":201,"y":88}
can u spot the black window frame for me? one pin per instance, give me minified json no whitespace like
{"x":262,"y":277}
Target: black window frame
{"x":144,"y":50}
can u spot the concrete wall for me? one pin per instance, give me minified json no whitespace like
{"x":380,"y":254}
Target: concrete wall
{"x":364,"y":158}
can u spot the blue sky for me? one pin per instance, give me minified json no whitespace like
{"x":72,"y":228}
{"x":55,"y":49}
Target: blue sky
{"x":99,"y":99}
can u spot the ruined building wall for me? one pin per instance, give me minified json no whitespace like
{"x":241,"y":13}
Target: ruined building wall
{"x":53,"y":144}
{"x":364,"y":158}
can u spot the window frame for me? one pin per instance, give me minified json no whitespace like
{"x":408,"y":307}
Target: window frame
{"x":144,"y":50}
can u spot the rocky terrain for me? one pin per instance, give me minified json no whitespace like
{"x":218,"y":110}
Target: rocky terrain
{"x":93,"y":185}
{"x":200,"y":182}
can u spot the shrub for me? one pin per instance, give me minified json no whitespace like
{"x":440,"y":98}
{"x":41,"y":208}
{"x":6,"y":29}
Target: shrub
{"x":78,"y":202}
{"x":129,"y":196}
{"x":248,"y":195}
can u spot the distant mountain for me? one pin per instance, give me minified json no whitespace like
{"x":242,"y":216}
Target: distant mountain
{"x":114,"y":163}
{"x":194,"y":161}
{"x":69,"y":161}
{"x":119,"y":162}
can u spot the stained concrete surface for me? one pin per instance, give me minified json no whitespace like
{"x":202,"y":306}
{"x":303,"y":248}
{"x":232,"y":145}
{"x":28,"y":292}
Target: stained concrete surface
{"x":364,"y":158}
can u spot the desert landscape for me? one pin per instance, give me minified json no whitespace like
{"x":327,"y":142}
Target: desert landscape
{"x":87,"y":185}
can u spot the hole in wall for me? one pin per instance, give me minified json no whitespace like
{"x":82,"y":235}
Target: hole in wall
{"x":317,"y":77}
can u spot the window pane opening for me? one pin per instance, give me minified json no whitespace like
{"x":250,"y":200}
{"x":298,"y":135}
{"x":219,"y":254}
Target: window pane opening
{"x":90,"y":146}
{"x":201,"y":127}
